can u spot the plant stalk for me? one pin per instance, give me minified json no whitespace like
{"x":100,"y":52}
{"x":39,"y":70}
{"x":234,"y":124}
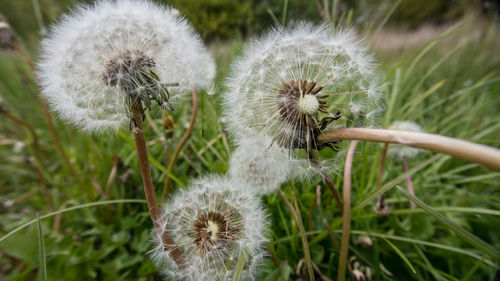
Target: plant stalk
{"x":476,"y":153}
{"x":181,"y":144}
{"x":346,"y":216}
{"x":409,"y":183}
{"x":152,"y":201}
{"x":298,"y":219}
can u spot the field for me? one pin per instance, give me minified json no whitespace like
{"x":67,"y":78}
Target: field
{"x":80,"y":202}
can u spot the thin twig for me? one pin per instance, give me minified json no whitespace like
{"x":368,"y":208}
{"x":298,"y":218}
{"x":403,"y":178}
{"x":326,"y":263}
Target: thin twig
{"x":181,"y":144}
{"x":112,"y":175}
{"x":409,"y":183}
{"x":57,"y":218}
{"x":22,"y":123}
{"x":323,"y":277}
{"x":98,"y":187}
{"x":380,"y":205}
{"x":296,"y":215}
{"x":274,"y":257}
{"x":43,"y":184}
{"x":328,"y":181}
{"x":335,"y":191}
{"x":346,"y":217}
{"x":381,"y":165}
{"x":154,"y":208}
{"x":473,"y":152}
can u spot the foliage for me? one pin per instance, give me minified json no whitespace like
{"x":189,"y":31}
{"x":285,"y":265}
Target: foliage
{"x":449,"y":86}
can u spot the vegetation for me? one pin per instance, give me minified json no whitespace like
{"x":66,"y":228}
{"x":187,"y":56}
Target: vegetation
{"x":93,"y":219}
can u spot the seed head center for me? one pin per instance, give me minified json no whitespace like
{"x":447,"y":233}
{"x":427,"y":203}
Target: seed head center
{"x":308,"y":104}
{"x":212,"y":230}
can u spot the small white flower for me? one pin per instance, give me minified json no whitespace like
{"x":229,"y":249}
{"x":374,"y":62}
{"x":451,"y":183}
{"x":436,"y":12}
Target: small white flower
{"x":213,"y":223}
{"x":293,"y":82}
{"x":399,"y":151}
{"x":101,"y":57}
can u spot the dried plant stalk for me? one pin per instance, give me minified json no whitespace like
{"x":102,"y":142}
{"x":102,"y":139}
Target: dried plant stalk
{"x":346,"y":216}
{"x":152,"y":201}
{"x":476,"y":153}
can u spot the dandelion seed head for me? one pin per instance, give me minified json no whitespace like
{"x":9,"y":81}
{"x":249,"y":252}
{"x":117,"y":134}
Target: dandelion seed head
{"x":259,"y":166}
{"x":399,"y":151}
{"x":101,"y":57}
{"x":212,"y":223}
{"x":305,"y":73}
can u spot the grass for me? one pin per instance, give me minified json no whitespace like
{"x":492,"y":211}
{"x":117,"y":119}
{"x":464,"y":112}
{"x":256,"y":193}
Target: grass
{"x":449,"y":86}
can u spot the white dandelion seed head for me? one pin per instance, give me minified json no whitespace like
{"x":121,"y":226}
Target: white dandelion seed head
{"x":399,"y":151}
{"x":212,"y":223}
{"x":97,"y":55}
{"x":259,"y":166}
{"x":272,"y":85}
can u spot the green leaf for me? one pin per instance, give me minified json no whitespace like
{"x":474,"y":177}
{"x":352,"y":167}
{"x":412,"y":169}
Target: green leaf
{"x":42,"y":264}
{"x":240,"y":264}
{"x":93,"y":204}
{"x":400,"y":254}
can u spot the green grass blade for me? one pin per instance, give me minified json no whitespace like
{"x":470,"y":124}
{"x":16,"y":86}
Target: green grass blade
{"x":240,"y":264}
{"x":42,"y":264}
{"x":401,"y":255}
{"x":473,"y":270}
{"x":424,"y":243}
{"x":384,"y":21}
{"x":394,"y":182}
{"x":460,"y":231}
{"x":153,"y":161}
{"x":93,"y":204}
{"x":285,"y":9}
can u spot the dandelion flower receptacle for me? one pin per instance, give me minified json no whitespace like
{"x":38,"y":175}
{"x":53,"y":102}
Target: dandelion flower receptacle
{"x":213,"y":224}
{"x":102,"y":58}
{"x":293,"y":82}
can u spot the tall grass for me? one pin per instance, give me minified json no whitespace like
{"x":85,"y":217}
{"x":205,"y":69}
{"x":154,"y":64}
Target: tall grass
{"x":449,"y":86}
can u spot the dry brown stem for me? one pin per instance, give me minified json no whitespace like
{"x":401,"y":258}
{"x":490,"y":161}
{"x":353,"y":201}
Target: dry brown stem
{"x":346,"y":216}
{"x":154,"y":208}
{"x":476,"y":153}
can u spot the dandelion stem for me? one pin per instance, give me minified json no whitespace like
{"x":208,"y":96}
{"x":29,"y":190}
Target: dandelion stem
{"x":346,"y":216}
{"x":409,"y":183}
{"x":181,"y":144}
{"x":154,"y":208}
{"x":476,"y":153}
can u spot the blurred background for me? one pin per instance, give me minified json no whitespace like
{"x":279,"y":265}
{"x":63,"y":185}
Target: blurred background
{"x":441,"y":64}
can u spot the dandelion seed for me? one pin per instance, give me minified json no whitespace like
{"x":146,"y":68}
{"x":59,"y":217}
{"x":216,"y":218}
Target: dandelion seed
{"x":102,"y":59}
{"x":292,"y":83}
{"x":212,"y":223}
{"x":259,"y":170}
{"x":399,"y":151}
